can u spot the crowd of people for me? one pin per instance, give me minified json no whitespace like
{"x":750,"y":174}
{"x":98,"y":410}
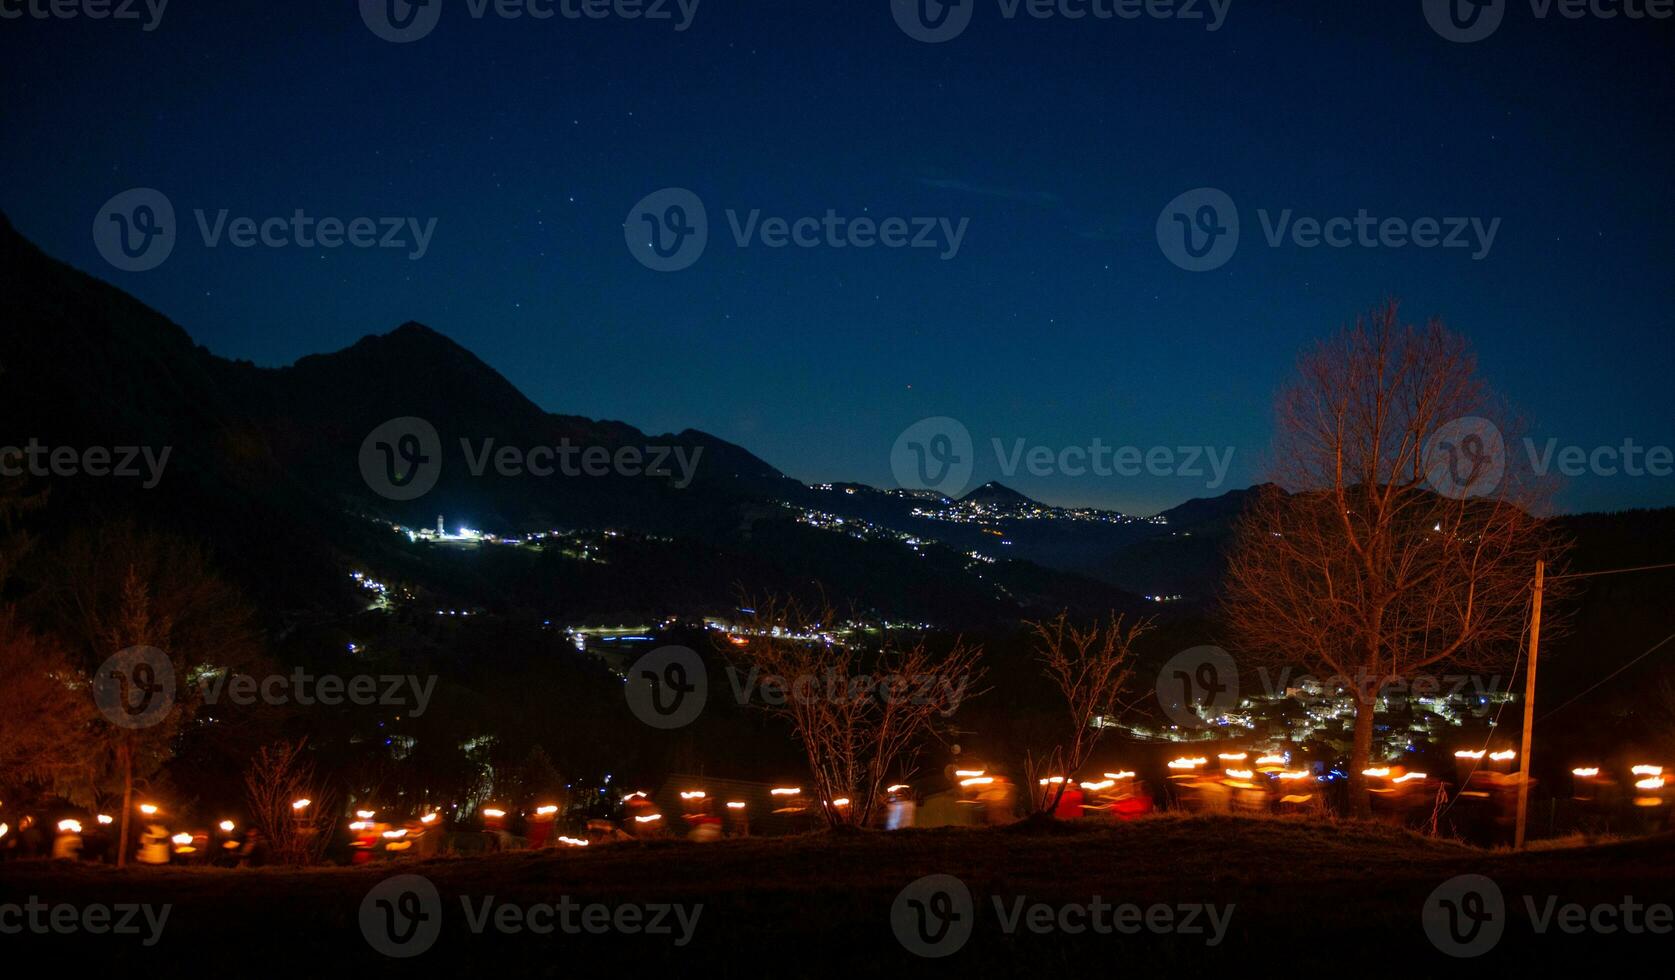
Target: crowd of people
{"x":1477,"y":801}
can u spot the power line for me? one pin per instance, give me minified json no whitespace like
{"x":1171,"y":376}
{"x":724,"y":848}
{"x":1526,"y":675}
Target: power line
{"x":1654,"y":649}
{"x":1615,"y":571}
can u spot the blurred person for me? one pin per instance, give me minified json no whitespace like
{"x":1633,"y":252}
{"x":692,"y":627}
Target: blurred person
{"x":254,"y":853}
{"x":1070,"y":802}
{"x":66,"y":846}
{"x":155,"y":846}
{"x":541,"y":827}
{"x":900,"y":809}
{"x":999,"y":801}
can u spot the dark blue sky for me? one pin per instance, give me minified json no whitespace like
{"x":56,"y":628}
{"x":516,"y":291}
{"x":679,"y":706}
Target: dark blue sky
{"x":1060,"y":320}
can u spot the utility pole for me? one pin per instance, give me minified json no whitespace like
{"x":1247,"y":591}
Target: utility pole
{"x":1529,"y":706}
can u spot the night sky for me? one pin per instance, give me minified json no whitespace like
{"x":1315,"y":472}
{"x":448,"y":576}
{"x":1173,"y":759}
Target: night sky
{"x":1059,"y":320}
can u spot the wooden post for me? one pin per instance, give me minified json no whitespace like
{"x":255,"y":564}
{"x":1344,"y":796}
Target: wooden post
{"x":1529,"y":707}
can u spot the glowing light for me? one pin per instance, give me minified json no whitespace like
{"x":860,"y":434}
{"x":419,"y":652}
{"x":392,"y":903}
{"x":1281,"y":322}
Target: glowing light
{"x":1504,"y":756}
{"x":1293,"y":775}
{"x":366,"y":814}
{"x":149,"y":809}
{"x":977,"y":781}
{"x":630,"y":796}
{"x":4,"y":830}
{"x":105,"y":819}
{"x":182,"y":839}
{"x":1240,"y":773}
{"x":1377,"y":771}
{"x":546,"y":811}
{"x":572,"y":841}
{"x":1233,"y":756}
{"x":302,"y":804}
{"x":969,"y":772}
{"x":648,"y":818}
{"x":734,"y":805}
{"x":1647,"y":770}
{"x":360,"y":825}
{"x":1188,"y":762}
{"x":494,"y":813}
{"x":226,"y":826}
{"x":428,"y":818}
{"x":1103,"y":784}
{"x":395,"y":834}
{"x":696,"y":794}
{"x":897,"y":788}
{"x":1125,"y":774}
{"x":1587,"y":773}
{"x":841,"y":801}
{"x":784,"y":791}
{"x":1651,"y":782}
{"x":1469,"y":754}
{"x":1408,"y":776}
{"x":1271,"y":760}
{"x":74,"y":827}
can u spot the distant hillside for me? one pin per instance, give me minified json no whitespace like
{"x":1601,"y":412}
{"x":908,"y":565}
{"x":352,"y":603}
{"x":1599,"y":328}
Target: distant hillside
{"x":1186,"y":558}
{"x":265,"y":464}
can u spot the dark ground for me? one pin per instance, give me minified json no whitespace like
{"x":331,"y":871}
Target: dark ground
{"x":1307,"y":896}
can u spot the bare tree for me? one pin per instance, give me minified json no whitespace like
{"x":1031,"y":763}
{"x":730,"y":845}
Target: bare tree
{"x":120,"y":587}
{"x":15,"y":543}
{"x":46,"y":715}
{"x":45,"y":712}
{"x":1377,"y":556}
{"x":861,"y":715}
{"x":288,"y":804}
{"x":1091,"y":668}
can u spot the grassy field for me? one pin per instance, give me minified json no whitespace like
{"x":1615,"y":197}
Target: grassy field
{"x":1302,"y":894}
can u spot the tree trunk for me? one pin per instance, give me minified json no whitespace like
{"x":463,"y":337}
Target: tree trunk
{"x":127,"y":757}
{"x":1360,"y":801}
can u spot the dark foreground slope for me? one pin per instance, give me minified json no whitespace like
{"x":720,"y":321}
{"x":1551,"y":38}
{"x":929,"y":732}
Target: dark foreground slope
{"x":1304,"y":896}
